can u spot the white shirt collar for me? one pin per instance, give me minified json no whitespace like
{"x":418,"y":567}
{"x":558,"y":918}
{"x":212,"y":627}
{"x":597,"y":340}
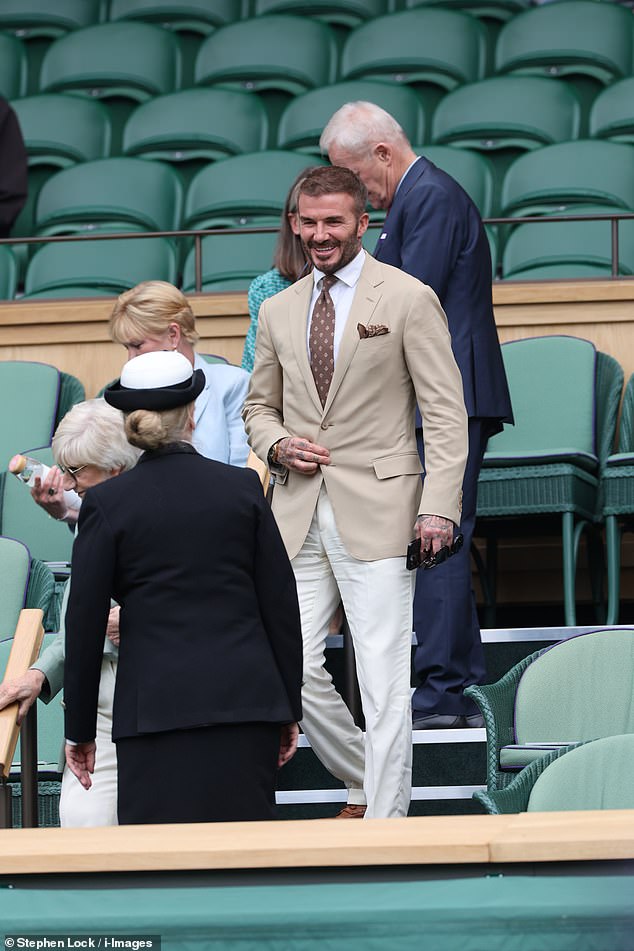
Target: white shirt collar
{"x":404,"y":174}
{"x":349,"y":274}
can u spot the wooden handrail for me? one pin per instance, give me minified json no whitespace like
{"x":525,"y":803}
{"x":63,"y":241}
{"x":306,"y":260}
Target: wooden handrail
{"x":24,"y":651}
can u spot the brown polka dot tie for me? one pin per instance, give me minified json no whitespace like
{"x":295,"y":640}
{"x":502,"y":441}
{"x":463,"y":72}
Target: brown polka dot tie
{"x":321,"y":337}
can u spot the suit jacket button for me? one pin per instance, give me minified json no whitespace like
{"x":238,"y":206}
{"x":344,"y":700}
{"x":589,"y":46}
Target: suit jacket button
{"x":324,"y":425}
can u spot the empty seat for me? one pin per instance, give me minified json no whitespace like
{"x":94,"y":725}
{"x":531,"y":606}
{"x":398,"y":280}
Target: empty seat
{"x":24,"y":582}
{"x":8,"y":273}
{"x":39,"y":22}
{"x":573,"y":244}
{"x":304,"y":118}
{"x":123,"y":194}
{"x":60,"y":130}
{"x":484,"y":9}
{"x":245,"y":190}
{"x":560,"y":176}
{"x":276,"y":57}
{"x":231,"y":261}
{"x":192,"y":127}
{"x":433,"y":49}
{"x":612,"y":114}
{"x":347,"y":13}
{"x":471,"y":170}
{"x":121,"y":63}
{"x":590,"y":43}
{"x":74,"y":269}
{"x":13,"y":67}
{"x":27,"y":421}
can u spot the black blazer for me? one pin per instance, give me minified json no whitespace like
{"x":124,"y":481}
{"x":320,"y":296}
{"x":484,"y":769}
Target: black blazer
{"x":434,"y":231}
{"x":210,"y":629}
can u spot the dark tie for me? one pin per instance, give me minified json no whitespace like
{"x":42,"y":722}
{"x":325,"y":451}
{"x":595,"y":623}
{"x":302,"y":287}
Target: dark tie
{"x":321,"y":337}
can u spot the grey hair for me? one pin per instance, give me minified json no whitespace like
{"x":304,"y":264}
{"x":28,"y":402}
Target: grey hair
{"x":358,"y":126}
{"x":92,"y":434}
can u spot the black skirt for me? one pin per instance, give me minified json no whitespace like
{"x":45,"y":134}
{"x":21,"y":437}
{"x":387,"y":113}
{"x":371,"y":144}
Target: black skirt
{"x":220,"y":773}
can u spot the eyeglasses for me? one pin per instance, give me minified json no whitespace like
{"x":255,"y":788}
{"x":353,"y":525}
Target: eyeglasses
{"x":70,"y":471}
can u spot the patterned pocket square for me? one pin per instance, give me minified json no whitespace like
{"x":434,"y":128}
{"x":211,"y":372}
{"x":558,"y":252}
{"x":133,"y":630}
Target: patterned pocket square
{"x":374,"y":330}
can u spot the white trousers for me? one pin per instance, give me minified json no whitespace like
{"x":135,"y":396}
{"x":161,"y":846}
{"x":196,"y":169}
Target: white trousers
{"x":377,"y":598}
{"x":97,"y":806}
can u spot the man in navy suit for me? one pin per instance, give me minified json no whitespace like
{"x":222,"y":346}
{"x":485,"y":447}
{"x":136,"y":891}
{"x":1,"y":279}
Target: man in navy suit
{"x":434,"y":231}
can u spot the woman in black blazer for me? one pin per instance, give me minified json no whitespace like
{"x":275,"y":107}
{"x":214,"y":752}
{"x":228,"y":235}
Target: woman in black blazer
{"x":207,"y":696}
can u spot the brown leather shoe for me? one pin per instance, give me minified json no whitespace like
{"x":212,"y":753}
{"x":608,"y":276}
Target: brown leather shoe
{"x":351,"y":812}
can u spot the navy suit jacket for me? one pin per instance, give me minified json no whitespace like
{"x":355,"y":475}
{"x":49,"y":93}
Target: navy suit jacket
{"x":434,"y":231}
{"x":210,"y":628}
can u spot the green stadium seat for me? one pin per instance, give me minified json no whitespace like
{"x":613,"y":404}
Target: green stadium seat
{"x":471,"y":170}
{"x":61,"y":130}
{"x":13,"y":67}
{"x":542,"y":475}
{"x":190,"y":20}
{"x":562,"y":272}
{"x":432,"y":49}
{"x":123,"y":194}
{"x":32,"y":421}
{"x":276,"y":57}
{"x":230,"y":261}
{"x":612,"y":113}
{"x":8,"y":273}
{"x":618,"y":500}
{"x":346,"y":13}
{"x":569,"y":243}
{"x":247,"y":190}
{"x":114,"y":266}
{"x":558,"y":177}
{"x":39,"y":22}
{"x":304,"y":118}
{"x":582,"y":41}
{"x":24,"y":583}
{"x":121,"y":63}
{"x":501,"y":10}
{"x":190,"y":128}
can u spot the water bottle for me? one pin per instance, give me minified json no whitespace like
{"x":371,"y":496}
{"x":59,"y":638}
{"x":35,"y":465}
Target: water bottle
{"x":27,"y":470}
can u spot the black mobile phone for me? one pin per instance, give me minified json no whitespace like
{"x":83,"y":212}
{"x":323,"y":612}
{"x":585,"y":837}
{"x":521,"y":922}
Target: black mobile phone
{"x":413,"y":555}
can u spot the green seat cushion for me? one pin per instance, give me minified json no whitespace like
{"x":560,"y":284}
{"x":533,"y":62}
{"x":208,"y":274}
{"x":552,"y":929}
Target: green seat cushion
{"x":598,"y":775}
{"x":562,"y":421}
{"x":620,"y":459}
{"x":580,"y":689}
{"x":517,"y":756}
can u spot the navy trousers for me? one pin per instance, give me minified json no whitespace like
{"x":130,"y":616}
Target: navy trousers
{"x":449,"y":655}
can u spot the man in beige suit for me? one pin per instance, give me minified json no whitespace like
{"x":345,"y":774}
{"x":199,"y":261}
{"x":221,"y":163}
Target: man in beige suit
{"x":342,"y":358}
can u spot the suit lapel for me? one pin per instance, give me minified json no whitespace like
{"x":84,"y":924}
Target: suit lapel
{"x":298,"y":319}
{"x":419,"y":168}
{"x":367,"y":295}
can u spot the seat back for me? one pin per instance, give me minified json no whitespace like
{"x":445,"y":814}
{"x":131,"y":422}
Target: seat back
{"x":197,"y":16}
{"x":286,"y":53}
{"x":569,"y":242}
{"x":560,"y":39}
{"x":128,"y":193}
{"x":611,"y":116}
{"x":501,"y":10}
{"x":427,"y":47}
{"x":244,"y":190}
{"x":551,"y":418}
{"x":598,"y":775}
{"x":565,"y":174}
{"x":304,"y":118}
{"x":235,"y":258}
{"x":344,"y":13}
{"x":60,"y":130}
{"x":46,"y":539}
{"x":29,"y":399}
{"x":13,"y":67}
{"x":42,"y":18}
{"x":113,"y":266}
{"x":15,"y":565}
{"x":580,"y":689}
{"x":196,"y":125}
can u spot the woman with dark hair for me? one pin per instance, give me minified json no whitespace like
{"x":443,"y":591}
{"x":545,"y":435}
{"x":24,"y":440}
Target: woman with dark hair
{"x":207,"y":695}
{"x":289,"y":263}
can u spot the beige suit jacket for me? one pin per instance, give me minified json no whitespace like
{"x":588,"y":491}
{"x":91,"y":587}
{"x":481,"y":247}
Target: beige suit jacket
{"x":373,"y":480}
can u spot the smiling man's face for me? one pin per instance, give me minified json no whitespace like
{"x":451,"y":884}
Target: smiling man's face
{"x":330,"y":229}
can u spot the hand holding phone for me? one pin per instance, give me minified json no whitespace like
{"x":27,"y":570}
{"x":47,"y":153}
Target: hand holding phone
{"x":415,"y":559}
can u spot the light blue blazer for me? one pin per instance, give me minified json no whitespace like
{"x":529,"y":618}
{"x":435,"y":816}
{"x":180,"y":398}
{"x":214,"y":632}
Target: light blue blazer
{"x":219,"y":432}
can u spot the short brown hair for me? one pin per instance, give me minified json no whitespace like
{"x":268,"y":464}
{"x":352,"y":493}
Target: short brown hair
{"x":333,"y":180}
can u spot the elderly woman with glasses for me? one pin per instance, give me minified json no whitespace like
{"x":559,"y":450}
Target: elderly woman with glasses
{"x":208,"y":687}
{"x":90,"y":447}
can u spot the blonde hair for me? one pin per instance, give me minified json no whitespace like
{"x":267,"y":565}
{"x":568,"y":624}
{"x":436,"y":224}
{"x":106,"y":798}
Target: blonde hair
{"x":148,"y":309}
{"x":92,"y":433}
{"x":151,"y":429}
